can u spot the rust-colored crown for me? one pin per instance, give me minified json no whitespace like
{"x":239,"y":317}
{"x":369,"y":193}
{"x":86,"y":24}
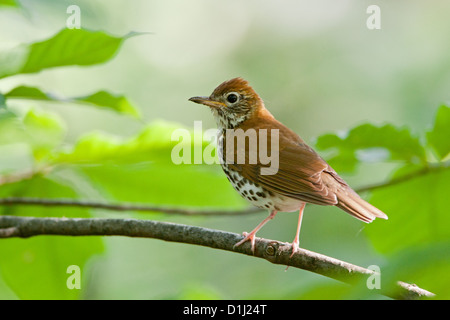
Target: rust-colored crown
{"x":237,"y":85}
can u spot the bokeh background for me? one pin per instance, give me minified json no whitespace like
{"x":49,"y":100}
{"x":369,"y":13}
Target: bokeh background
{"x":316,"y":65}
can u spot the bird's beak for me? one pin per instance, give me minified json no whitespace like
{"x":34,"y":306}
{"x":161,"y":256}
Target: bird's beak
{"x":207,"y":102}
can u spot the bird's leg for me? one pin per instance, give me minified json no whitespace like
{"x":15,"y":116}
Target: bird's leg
{"x":295,"y":243}
{"x":251,"y":236}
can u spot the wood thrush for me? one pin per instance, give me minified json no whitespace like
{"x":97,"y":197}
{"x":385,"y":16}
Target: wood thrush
{"x":301,"y":175}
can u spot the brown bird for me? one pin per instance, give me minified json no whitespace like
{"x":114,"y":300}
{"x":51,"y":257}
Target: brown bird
{"x":297,"y":176}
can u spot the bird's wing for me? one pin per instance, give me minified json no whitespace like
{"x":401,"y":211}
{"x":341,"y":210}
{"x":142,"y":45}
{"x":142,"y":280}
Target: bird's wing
{"x":302,"y":174}
{"x":300,"y":169}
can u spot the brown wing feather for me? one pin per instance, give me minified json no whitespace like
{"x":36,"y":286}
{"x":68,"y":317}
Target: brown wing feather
{"x":300,"y":167}
{"x":302,"y":174}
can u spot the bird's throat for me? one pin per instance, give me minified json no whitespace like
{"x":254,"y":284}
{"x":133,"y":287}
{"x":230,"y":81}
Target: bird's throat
{"x":228,"y":120}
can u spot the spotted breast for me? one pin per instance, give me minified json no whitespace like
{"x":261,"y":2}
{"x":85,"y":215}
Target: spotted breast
{"x":252,"y":191}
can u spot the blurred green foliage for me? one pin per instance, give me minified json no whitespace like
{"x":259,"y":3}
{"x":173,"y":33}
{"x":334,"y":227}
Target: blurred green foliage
{"x":8,"y":3}
{"x":438,"y":138}
{"x":411,"y":246}
{"x":29,"y":265}
{"x":102,"y":99}
{"x":418,"y":205}
{"x":367,"y":136}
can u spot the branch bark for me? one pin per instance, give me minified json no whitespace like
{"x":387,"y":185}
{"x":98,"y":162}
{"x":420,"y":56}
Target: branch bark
{"x":270,"y":250}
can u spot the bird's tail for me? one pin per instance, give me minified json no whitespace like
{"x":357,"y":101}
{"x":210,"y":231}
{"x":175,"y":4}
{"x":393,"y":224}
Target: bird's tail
{"x":351,"y":202}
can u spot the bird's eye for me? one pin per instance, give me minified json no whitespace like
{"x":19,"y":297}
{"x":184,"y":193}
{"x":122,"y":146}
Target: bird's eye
{"x":232,"y":97}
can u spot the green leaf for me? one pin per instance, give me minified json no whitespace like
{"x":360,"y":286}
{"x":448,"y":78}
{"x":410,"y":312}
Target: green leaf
{"x":439,"y":136}
{"x":15,"y":152}
{"x":40,"y":131}
{"x":101,"y":99}
{"x":9,"y":3}
{"x":12,"y":60}
{"x":45,"y":131}
{"x":24,"y":92}
{"x":36,"y":268}
{"x":105,"y":99}
{"x":153,"y":143}
{"x":68,"y":47}
{"x":417,"y":210}
{"x":370,"y":143}
{"x":11,"y":128}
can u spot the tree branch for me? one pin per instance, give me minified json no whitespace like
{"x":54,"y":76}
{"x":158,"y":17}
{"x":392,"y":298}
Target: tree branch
{"x":182,"y":211}
{"x":423,"y":171}
{"x":270,"y":250}
{"x":119,"y":206}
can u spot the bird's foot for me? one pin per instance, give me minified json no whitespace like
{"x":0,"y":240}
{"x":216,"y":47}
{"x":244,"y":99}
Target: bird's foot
{"x":295,"y":247}
{"x":247,"y":237}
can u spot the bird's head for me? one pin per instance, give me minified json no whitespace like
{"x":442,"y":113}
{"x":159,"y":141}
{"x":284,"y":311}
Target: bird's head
{"x":232,"y":102}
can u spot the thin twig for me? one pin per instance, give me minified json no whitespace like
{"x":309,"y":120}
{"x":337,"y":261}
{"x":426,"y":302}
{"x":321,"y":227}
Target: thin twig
{"x":270,"y":250}
{"x":182,"y":211}
{"x":120,"y":206}
{"x":406,"y":177}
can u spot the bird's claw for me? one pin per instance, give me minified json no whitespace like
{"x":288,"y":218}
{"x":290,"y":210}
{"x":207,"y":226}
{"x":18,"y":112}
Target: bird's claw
{"x":247,"y":237}
{"x":295,"y":247}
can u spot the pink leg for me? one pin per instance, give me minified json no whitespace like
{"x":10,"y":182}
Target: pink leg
{"x":251,"y":236}
{"x":295,"y":243}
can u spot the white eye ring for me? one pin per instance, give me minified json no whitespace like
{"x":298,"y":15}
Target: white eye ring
{"x":232,"y":97}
